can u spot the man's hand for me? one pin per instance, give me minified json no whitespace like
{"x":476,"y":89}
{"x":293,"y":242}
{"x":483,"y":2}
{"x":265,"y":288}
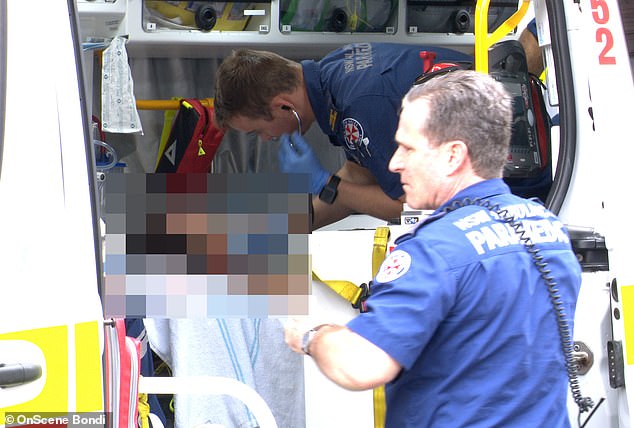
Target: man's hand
{"x":296,"y":156}
{"x":345,"y":357}
{"x":294,"y":330}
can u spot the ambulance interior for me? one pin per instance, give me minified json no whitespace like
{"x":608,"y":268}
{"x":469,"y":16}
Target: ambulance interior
{"x":138,"y":58}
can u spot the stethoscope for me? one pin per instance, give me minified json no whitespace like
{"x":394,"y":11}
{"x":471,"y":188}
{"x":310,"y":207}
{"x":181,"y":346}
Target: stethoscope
{"x":299,"y":120}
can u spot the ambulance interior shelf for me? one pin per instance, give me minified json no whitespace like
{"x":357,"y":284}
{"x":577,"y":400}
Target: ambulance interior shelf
{"x":455,"y":16}
{"x":483,"y":42}
{"x":201,"y":15}
{"x":358,"y":16}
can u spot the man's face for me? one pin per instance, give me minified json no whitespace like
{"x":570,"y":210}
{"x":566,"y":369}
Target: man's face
{"x":282,"y":123}
{"x":418,"y":163}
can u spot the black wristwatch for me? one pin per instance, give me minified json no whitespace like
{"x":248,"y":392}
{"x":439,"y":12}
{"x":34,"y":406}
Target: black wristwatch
{"x":329,"y":192}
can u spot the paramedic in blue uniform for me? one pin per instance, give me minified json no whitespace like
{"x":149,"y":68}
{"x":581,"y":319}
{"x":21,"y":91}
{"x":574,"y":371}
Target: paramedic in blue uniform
{"x":460,"y":327}
{"x":354,"y":95}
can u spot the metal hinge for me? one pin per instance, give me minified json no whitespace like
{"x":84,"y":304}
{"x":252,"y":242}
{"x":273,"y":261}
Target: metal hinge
{"x":615,"y":364}
{"x":18,"y":374}
{"x":590,"y":249}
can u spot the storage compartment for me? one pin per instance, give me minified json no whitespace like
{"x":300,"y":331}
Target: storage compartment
{"x":205,"y":16}
{"x":454,"y":16}
{"x":101,"y":19}
{"x":339,"y":16}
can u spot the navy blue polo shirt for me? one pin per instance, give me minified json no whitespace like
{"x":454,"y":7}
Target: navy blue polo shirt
{"x":356,"y":93}
{"x":461,"y":306}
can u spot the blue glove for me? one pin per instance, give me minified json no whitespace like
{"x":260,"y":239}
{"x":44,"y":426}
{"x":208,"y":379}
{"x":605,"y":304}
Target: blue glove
{"x":296,"y":156}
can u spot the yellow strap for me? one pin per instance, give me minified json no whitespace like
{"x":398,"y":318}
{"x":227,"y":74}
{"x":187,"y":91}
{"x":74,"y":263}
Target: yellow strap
{"x":381,"y":236}
{"x":353,"y":293}
{"x":379,"y":406}
{"x":350,"y":291}
{"x":144,"y":411}
{"x":345,"y":289}
{"x":379,"y":250}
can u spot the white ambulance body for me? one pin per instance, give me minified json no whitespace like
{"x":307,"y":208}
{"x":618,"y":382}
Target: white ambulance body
{"x":51,"y":327}
{"x":51,"y":319}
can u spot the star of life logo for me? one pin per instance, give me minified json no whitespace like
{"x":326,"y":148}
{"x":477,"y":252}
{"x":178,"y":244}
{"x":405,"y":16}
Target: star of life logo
{"x":354,"y":136}
{"x":394,"y":266}
{"x":352,"y":132}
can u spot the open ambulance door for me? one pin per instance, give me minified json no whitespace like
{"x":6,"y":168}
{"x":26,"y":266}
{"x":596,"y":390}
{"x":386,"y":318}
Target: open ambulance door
{"x":51,"y":322}
{"x":589,"y":78}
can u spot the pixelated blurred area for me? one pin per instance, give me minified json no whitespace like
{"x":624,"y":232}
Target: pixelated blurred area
{"x":206,"y":245}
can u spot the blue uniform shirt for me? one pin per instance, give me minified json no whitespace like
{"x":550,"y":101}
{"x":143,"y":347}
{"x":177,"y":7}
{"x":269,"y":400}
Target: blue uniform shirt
{"x":356,"y":94}
{"x":460,"y":305}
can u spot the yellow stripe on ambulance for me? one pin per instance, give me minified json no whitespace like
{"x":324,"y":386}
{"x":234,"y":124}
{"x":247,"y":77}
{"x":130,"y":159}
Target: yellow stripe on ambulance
{"x":71,"y":380}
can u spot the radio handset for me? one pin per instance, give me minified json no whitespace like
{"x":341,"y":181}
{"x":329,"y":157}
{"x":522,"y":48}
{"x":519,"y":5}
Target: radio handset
{"x":565,"y":336}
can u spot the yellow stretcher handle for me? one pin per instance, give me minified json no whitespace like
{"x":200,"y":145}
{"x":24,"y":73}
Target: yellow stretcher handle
{"x":483,"y":41}
{"x":173,"y":104}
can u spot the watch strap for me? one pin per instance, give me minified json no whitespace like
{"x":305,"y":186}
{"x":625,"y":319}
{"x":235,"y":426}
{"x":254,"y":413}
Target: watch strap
{"x":329,"y":193}
{"x":308,"y":337}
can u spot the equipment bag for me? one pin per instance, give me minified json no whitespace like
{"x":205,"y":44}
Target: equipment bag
{"x":193,"y":140}
{"x":529,"y":151}
{"x":530,"y":139}
{"x":122,"y":361}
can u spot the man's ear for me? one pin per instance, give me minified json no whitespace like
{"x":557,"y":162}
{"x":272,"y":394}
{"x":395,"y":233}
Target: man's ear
{"x":281,"y":101}
{"x":457,"y":154}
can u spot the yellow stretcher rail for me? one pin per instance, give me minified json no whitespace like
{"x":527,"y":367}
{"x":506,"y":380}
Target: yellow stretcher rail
{"x":483,"y":41}
{"x":167,"y":104}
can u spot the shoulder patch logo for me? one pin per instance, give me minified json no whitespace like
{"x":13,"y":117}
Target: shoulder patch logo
{"x":394,"y":266}
{"x":352,"y":132}
{"x":355,"y":137}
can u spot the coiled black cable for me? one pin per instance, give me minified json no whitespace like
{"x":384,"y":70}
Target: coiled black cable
{"x":567,"y":346}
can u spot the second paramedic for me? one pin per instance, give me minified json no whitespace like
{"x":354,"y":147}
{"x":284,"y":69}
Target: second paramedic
{"x":464,"y":323}
{"x":354,"y":95}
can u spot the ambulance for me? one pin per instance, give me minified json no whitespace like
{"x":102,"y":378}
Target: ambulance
{"x":78,"y":114}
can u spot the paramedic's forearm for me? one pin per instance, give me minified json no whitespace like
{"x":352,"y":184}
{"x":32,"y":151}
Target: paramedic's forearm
{"x":356,"y":198}
{"x":350,"y":360}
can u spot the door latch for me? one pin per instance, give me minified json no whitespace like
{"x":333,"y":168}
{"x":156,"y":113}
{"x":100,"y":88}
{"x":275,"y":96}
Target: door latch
{"x":18,"y":374}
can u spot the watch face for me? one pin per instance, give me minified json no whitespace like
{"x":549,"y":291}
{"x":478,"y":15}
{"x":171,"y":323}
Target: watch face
{"x":308,"y":336}
{"x":329,"y":192}
{"x":328,"y":195}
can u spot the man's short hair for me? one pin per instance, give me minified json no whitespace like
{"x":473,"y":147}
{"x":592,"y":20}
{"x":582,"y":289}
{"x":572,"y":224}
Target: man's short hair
{"x":471,"y":107}
{"x":246,"y":82}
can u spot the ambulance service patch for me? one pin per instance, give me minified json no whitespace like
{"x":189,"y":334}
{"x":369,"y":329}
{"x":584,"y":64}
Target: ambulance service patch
{"x":352,"y":132}
{"x":355,"y":138}
{"x":394,"y":266}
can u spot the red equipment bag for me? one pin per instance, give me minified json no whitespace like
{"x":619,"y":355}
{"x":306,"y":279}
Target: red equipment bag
{"x":193,"y":140}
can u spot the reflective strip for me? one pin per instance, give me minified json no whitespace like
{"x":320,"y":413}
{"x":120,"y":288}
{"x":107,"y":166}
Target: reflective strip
{"x":87,"y":379}
{"x":53,"y":343}
{"x":627,"y":297}
{"x":89,"y":386}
